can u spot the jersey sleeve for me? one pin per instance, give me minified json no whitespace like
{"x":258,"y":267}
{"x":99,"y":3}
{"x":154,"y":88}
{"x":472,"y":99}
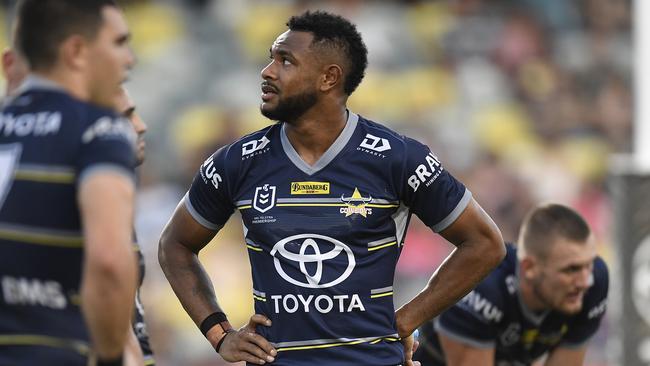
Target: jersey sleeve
{"x":475,"y":319}
{"x":430,"y":191}
{"x":208,"y":199}
{"x":586,"y":323}
{"x":107,"y":143}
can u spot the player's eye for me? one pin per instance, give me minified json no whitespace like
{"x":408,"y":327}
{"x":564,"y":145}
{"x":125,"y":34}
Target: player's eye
{"x":286,"y":62}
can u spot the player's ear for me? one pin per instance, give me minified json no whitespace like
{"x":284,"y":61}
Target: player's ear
{"x":331,"y":77}
{"x":8,"y":60}
{"x":528,"y":267}
{"x":73,"y":52}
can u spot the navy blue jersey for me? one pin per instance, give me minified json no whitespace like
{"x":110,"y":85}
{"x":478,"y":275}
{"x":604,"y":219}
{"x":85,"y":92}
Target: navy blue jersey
{"x":493,"y":315}
{"x":323,"y":240}
{"x":49,"y":143}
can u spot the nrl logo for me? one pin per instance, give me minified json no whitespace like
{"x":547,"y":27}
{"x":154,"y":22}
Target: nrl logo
{"x":356,"y":204}
{"x":264,"y":199}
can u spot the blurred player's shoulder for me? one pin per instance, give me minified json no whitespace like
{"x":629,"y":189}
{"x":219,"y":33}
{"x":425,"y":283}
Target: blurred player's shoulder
{"x":501,"y":283}
{"x":595,"y":300}
{"x":41,"y":99}
{"x":491,"y":300}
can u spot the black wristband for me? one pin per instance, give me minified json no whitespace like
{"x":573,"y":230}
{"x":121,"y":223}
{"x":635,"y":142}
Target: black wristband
{"x":114,"y":362}
{"x":212,"y":320}
{"x":218,"y":346}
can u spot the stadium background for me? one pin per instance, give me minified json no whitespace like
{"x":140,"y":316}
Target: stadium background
{"x":523,"y":100}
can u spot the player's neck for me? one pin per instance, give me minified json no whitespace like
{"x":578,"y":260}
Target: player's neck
{"x":530,"y":299}
{"x":314,"y":132}
{"x":73,"y":83}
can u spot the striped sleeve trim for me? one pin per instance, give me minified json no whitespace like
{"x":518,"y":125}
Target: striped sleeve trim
{"x":455,"y":213}
{"x":103,"y":168}
{"x":197,"y":216}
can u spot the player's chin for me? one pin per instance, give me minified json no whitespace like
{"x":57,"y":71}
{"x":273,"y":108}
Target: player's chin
{"x":571,"y":305}
{"x":268,"y":110}
{"x":268,"y":105}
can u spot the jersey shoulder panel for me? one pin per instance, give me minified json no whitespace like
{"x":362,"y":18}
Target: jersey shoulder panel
{"x":595,"y":300}
{"x":486,"y":304}
{"x":210,"y":199}
{"x":244,"y":151}
{"x":423,"y":184}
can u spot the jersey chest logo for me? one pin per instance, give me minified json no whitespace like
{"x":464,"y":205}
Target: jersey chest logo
{"x":322,"y":249}
{"x":264,"y":198}
{"x":356,"y":204}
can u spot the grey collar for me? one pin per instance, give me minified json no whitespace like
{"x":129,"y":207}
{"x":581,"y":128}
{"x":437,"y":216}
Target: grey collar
{"x":38,"y":82}
{"x":329,"y":155}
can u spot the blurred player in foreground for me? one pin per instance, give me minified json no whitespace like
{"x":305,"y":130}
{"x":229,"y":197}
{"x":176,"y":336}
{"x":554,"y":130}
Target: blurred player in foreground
{"x":15,"y":71}
{"x":67,"y":269}
{"x":325,"y":197}
{"x":547,"y":297}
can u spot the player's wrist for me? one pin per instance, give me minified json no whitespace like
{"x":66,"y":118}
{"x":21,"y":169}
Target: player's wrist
{"x":215,"y":327}
{"x":401,"y":323}
{"x":220,"y":342}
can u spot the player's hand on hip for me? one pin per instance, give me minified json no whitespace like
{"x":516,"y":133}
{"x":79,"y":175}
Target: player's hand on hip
{"x":246,"y":345}
{"x":410,"y":345}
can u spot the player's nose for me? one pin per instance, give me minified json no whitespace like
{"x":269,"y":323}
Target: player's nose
{"x":268,"y":72}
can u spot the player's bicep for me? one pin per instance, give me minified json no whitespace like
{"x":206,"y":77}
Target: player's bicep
{"x":459,"y":353}
{"x":209,"y":200}
{"x":106,"y":205}
{"x":473,"y":225}
{"x":566,"y":356}
{"x":184,"y":229}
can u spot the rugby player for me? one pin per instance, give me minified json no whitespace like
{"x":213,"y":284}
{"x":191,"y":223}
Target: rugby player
{"x":325,"y":197}
{"x":127,"y":108}
{"x":15,"y":71}
{"x":547,"y":297}
{"x":67,"y":269}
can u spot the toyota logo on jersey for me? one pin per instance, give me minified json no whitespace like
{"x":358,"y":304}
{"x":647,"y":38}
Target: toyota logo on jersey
{"x":315,"y":256}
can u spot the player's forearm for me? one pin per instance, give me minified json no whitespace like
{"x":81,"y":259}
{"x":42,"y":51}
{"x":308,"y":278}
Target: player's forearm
{"x":108,"y":292}
{"x":188,"y":279}
{"x":457,"y":276}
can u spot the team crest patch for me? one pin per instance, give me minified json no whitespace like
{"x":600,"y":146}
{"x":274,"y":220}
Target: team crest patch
{"x":356,"y":204}
{"x":310,"y":187}
{"x":264,"y":199}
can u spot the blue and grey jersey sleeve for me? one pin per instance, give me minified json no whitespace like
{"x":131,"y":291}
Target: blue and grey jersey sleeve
{"x":208,"y":199}
{"x":475,"y":319}
{"x":107,"y":143}
{"x":585,"y":324}
{"x":430,"y":191}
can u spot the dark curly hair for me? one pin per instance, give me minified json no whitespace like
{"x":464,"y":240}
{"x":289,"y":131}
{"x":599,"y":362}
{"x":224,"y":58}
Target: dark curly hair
{"x":334,"y":31}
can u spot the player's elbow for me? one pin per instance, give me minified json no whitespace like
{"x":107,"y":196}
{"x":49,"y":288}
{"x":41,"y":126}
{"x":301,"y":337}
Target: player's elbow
{"x":167,"y":249}
{"x":112,"y":266}
{"x":487,"y":245}
{"x":163,"y":250}
{"x":494,"y":251}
